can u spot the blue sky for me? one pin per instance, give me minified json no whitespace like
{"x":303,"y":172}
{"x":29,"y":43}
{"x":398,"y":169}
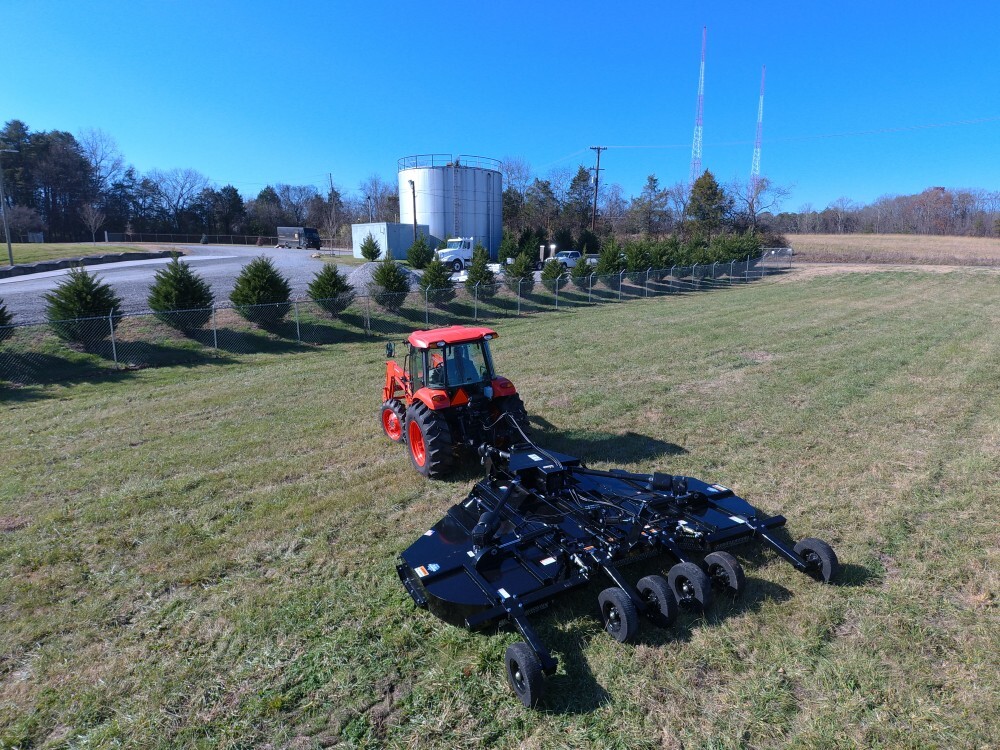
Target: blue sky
{"x":255,"y":92}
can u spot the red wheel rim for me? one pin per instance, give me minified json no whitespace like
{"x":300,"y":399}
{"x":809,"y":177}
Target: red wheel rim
{"x":416,"y":440}
{"x":391,"y":425}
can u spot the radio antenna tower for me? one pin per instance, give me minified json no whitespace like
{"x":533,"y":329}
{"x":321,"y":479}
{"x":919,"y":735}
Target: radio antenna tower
{"x":755,"y":167}
{"x":696,"y":143}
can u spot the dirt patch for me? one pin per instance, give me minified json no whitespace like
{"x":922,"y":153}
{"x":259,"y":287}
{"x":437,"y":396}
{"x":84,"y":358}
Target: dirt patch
{"x":13,"y":523}
{"x":758,"y":356}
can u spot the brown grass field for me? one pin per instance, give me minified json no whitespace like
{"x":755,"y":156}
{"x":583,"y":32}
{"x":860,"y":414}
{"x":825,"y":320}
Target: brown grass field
{"x":896,"y":248}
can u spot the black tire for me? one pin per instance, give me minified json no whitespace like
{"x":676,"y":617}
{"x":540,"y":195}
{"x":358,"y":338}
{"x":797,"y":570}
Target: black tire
{"x":514,"y":406}
{"x":456,"y":265}
{"x":660,"y":600}
{"x":820,"y":557}
{"x":619,"y":615}
{"x":395,"y":408}
{"x":726,"y":573}
{"x":691,"y":586}
{"x":524,"y":673}
{"x":429,"y":438}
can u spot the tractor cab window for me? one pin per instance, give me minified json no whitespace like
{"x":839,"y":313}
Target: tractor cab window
{"x":459,"y":364}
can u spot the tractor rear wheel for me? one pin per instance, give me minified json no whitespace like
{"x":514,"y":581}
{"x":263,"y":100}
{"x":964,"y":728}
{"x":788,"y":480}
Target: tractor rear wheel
{"x":393,"y":416}
{"x":429,"y":438}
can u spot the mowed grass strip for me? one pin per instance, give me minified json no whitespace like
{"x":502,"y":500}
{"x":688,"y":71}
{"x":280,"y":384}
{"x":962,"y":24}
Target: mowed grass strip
{"x":896,"y":248}
{"x":32,"y":252}
{"x":204,"y":557}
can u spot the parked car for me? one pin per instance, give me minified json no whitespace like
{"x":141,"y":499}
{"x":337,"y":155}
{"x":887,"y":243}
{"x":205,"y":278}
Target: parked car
{"x":568,"y":258}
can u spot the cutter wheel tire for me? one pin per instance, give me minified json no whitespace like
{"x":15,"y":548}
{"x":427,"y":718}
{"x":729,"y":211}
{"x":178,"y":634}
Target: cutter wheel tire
{"x":524,"y":673}
{"x":619,"y":615}
{"x":726,"y":573}
{"x":691,"y":586}
{"x":429,"y":439}
{"x":820,"y":558}
{"x":514,"y":406}
{"x":655,"y":591}
{"x":393,"y":417}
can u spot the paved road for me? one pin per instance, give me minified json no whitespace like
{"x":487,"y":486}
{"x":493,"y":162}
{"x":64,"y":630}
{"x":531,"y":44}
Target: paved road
{"x":217,"y":264}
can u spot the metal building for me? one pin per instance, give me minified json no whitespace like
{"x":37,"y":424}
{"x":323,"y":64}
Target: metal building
{"x":455,"y":196}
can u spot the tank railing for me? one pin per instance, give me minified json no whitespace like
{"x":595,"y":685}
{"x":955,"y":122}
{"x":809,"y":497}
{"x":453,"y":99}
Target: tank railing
{"x":447,"y":160}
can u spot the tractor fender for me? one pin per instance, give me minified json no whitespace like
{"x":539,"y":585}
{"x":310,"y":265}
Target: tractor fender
{"x":503,"y":387}
{"x":433,"y":398}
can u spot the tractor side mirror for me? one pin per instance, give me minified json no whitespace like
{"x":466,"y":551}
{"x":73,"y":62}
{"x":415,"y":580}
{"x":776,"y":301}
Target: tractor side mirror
{"x":390,"y":350}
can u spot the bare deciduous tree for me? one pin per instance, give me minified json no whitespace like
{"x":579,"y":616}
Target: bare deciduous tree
{"x":93,"y":218}
{"x":106,"y":161}
{"x":177,"y":189}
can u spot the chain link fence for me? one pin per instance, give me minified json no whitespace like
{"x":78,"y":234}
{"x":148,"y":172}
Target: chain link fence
{"x":177,"y":238}
{"x":70,"y":350}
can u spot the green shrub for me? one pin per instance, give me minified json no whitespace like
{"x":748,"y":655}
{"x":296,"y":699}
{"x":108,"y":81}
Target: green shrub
{"x":330,"y":290}
{"x":728,"y":247}
{"x":588,"y":242}
{"x":563,"y":239}
{"x":6,"y":319}
{"x":370,"y":249}
{"x":436,"y":283}
{"x":666,"y":253}
{"x":610,"y":262}
{"x":390,"y":285}
{"x":261,"y":293}
{"x":637,"y":256}
{"x":520,"y":275}
{"x":508,"y":247}
{"x":79,"y":296}
{"x":581,"y":274}
{"x":480,"y":274}
{"x":420,"y":253}
{"x":551,"y":271}
{"x":176,"y":287}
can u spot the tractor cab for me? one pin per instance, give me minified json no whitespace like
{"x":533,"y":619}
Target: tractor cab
{"x":447,"y":394}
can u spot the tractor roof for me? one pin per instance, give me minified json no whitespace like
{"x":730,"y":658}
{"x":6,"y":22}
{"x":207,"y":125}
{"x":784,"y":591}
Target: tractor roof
{"x":450,"y":335}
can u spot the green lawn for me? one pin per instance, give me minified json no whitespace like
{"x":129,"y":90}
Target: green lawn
{"x":32,"y":252}
{"x":204,"y":556}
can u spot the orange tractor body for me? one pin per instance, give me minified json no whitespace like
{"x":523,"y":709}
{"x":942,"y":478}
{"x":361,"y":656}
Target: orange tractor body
{"x":446,"y":397}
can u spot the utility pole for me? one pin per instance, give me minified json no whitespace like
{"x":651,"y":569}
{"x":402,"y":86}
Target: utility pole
{"x":413,"y":189}
{"x":597,"y":180}
{"x":3,"y":209}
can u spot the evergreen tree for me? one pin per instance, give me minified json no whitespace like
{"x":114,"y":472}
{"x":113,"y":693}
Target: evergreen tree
{"x":581,"y":274}
{"x":261,"y":293}
{"x":420,"y":253}
{"x":551,"y":271}
{"x":330,"y":290}
{"x":610,"y":261}
{"x":588,"y":242}
{"x":708,"y":205}
{"x":370,"y":249}
{"x":436,"y":283}
{"x":6,"y":319}
{"x":508,"y":247}
{"x":176,"y":287}
{"x":480,"y":274}
{"x":79,"y":296}
{"x":390,"y":285}
{"x":563,"y":239}
{"x":520,"y":275}
{"x":637,"y":256}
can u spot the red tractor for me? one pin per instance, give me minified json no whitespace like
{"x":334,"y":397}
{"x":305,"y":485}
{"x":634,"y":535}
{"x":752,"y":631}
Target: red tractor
{"x":446,"y":398}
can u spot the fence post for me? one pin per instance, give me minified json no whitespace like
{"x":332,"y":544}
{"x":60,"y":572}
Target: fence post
{"x":713,"y":272}
{"x":670,"y":288}
{"x":368,"y":318}
{"x":694,"y":276}
{"x":519,"y":297}
{"x":475,"y":304}
{"x":215,"y":333}
{"x":298,"y":331}
{"x":647,"y":280}
{"x":114,"y":346}
{"x":557,"y":291}
{"x":731,"y":272}
{"x":620,"y":277}
{"x":427,"y":314}
{"x":746,"y":271}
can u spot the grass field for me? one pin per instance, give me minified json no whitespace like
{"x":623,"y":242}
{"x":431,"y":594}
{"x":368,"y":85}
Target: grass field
{"x":896,"y":248}
{"x":32,"y":252}
{"x":204,"y":556}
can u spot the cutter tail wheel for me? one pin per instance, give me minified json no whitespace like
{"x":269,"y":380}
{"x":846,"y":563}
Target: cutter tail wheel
{"x":691,"y":586}
{"x":726,"y":573}
{"x":429,"y":438}
{"x":660,"y":601}
{"x":820,"y":559}
{"x":393,"y":416}
{"x":524,"y":673}
{"x":619,"y":615}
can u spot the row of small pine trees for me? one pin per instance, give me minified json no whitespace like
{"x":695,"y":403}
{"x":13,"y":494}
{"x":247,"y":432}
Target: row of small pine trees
{"x":182,"y":299}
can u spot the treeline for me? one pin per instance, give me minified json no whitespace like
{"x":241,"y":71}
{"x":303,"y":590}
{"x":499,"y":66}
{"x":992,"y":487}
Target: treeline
{"x":937,"y":210}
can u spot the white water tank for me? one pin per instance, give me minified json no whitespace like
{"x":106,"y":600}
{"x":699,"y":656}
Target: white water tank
{"x":455,"y":196}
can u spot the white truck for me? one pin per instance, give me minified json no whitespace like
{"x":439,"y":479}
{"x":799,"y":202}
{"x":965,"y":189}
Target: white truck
{"x":457,"y":253}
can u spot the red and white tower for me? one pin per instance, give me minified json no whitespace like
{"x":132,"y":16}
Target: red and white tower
{"x":755,"y":167}
{"x":696,"y":143}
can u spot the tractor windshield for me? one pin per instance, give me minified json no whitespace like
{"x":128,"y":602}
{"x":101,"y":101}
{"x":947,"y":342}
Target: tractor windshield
{"x":459,"y":364}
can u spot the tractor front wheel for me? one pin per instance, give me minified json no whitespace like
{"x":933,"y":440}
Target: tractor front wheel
{"x":392,"y":416}
{"x":429,"y":438}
